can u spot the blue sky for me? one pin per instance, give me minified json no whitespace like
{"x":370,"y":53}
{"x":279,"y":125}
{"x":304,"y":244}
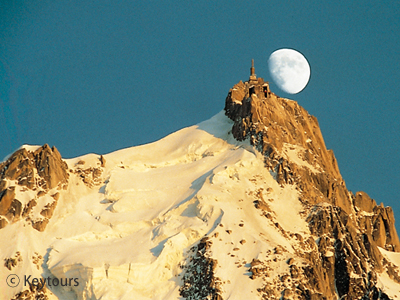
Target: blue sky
{"x":97,"y":76}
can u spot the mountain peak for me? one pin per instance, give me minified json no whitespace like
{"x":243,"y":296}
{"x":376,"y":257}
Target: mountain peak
{"x":246,"y":205}
{"x":295,"y":153}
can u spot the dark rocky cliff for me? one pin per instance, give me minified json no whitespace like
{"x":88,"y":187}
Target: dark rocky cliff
{"x":343,"y":258}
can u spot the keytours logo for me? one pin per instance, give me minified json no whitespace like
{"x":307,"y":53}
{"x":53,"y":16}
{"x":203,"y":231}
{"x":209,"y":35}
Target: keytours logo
{"x":39,"y":283}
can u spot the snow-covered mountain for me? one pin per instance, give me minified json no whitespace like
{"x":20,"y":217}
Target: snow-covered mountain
{"x":246,"y":205}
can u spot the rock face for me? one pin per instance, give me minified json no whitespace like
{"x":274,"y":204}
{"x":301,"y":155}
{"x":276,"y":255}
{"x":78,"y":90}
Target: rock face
{"x":41,"y":170}
{"x":343,"y":259}
{"x":199,"y":281}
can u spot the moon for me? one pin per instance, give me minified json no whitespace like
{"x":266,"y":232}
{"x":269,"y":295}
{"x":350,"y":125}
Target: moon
{"x":289,"y":70}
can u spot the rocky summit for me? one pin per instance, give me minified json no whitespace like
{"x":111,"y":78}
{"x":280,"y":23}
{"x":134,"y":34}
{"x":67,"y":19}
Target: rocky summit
{"x":40,"y":171}
{"x":346,"y":229}
{"x":246,"y":205}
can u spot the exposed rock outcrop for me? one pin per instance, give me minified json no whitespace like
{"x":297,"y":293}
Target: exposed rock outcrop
{"x":90,"y":176}
{"x":199,"y":281}
{"x":40,"y":170}
{"x":6,"y":198}
{"x":12,"y":262}
{"x":43,"y":168}
{"x":32,"y":293}
{"x":343,"y":259}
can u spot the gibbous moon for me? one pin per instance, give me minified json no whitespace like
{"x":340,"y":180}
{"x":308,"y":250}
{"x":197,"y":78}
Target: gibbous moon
{"x":289,"y":69}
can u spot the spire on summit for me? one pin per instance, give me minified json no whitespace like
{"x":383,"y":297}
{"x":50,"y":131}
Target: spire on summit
{"x":253,"y":76}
